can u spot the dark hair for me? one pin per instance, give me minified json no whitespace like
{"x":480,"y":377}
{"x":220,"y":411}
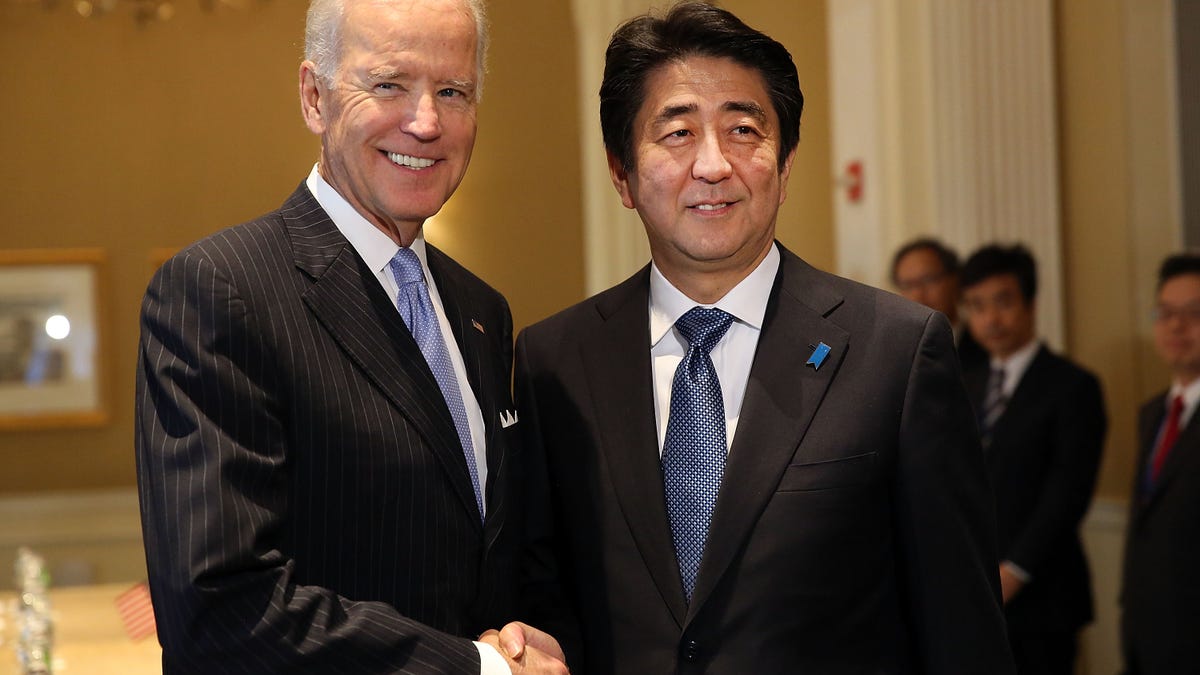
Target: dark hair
{"x":994,"y":259}
{"x":1178,"y":265}
{"x":945,"y":255}
{"x":643,"y":44}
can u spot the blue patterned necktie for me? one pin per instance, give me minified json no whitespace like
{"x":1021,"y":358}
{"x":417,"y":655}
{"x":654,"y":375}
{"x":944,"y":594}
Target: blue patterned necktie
{"x":694,"y":451}
{"x":417,"y":311}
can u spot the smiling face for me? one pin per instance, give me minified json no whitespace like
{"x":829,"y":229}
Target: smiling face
{"x":705,"y":179}
{"x":397,"y":121}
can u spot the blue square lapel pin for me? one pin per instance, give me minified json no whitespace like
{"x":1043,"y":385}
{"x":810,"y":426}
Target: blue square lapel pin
{"x":820,"y":351}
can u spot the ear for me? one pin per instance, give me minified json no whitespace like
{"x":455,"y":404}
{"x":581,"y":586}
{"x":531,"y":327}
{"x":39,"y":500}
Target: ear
{"x":785,"y":174}
{"x":620,"y":179}
{"x":312,"y":104}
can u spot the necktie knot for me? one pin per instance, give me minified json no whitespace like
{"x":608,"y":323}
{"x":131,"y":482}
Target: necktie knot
{"x":406,"y":267}
{"x":997,"y":380}
{"x":703,"y":327}
{"x":1177,"y":406}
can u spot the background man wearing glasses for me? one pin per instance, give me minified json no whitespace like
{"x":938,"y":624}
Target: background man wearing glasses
{"x":1160,"y":595}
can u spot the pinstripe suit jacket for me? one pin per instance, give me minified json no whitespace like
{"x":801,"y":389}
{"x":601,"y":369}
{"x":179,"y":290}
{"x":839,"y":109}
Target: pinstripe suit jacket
{"x":306,"y":506}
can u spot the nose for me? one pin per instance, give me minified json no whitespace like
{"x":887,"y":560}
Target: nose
{"x":424,"y":121}
{"x":710,"y":165}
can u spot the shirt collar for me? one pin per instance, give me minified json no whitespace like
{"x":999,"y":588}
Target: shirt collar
{"x":372,"y":245}
{"x":747,"y":301}
{"x":1016,"y":364}
{"x":1190,"y":393}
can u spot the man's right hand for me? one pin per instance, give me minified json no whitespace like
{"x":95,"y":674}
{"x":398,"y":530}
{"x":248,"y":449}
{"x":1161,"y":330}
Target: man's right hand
{"x":527,"y":649}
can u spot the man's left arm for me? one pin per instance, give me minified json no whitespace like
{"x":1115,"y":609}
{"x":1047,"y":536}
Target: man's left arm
{"x":944,"y":519}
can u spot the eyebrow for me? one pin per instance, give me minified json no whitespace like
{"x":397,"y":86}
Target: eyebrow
{"x":383,"y":73}
{"x":746,"y":107}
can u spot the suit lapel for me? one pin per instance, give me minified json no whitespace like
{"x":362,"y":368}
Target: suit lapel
{"x":782,"y":396}
{"x":616,"y":358}
{"x":350,"y":304}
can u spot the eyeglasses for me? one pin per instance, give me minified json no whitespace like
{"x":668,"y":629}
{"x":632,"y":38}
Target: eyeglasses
{"x":920,"y":282}
{"x":1188,"y":314}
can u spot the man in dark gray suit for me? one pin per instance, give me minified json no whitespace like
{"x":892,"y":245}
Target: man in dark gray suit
{"x":1160,"y":589}
{"x":325,"y":434}
{"x":739,"y":463}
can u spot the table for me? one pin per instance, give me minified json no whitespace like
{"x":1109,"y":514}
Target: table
{"x":89,"y":637}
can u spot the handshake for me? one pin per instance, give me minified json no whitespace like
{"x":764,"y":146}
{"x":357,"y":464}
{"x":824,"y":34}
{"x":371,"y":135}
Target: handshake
{"x":527,"y":650}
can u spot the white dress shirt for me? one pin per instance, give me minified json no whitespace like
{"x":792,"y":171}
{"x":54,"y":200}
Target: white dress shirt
{"x":377,"y":250}
{"x":733,"y":354}
{"x":1015,"y":365}
{"x":1191,"y":397}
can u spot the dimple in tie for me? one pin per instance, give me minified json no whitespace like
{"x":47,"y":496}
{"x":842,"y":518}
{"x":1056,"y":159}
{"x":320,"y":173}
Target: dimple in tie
{"x":694,"y":452}
{"x":417,"y":311}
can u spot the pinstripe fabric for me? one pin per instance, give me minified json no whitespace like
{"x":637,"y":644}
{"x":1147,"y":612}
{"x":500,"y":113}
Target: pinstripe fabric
{"x":305,"y":503}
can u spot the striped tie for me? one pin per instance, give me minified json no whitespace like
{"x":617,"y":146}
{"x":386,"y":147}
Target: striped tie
{"x":993,"y":405}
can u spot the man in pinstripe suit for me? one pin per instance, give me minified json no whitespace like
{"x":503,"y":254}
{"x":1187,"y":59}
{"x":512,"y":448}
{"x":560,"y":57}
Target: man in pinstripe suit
{"x":319,"y":491}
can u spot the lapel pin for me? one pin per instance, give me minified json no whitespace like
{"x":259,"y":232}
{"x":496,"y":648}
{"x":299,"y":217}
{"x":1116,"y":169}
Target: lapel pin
{"x":818,"y":355}
{"x":478,"y":326}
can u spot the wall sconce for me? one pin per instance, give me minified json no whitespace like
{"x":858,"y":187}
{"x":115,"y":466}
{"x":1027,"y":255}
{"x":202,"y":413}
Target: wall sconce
{"x":143,"y":11}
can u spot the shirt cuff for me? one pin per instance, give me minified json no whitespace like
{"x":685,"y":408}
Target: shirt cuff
{"x":490,"y":661}
{"x":1017,"y":571}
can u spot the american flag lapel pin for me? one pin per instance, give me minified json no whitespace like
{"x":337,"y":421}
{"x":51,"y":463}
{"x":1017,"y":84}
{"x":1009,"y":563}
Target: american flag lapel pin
{"x":818,"y":356}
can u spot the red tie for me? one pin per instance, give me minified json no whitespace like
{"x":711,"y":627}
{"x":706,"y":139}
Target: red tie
{"x":1170,"y":433}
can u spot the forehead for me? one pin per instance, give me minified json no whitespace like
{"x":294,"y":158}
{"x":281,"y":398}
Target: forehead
{"x":708,"y":82}
{"x":441,"y":29}
{"x":1184,"y":288}
{"x":919,"y":260}
{"x":997,"y":285}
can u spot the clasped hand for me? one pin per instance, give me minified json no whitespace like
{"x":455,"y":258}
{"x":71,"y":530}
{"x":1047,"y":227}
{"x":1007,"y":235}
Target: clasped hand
{"x":527,"y":649}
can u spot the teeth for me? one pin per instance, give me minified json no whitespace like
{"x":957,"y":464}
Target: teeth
{"x":711,"y":207}
{"x":410,"y":161}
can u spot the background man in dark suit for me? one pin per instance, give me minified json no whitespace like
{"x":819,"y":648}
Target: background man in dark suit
{"x":739,"y":463}
{"x":325,"y":442}
{"x":927,"y":271}
{"x":1160,"y":596}
{"x":1043,"y":424}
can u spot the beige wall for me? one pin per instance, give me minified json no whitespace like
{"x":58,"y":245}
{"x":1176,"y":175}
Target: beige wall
{"x":1118,"y":220}
{"x":133,"y":138}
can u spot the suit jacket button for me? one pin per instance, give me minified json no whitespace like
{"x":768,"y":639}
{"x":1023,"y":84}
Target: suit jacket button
{"x":691,"y":650}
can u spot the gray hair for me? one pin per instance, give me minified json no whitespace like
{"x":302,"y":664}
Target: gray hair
{"x":323,"y":38}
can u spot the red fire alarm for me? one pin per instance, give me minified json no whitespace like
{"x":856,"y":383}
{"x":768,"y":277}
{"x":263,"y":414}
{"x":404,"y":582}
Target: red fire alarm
{"x":852,"y":178}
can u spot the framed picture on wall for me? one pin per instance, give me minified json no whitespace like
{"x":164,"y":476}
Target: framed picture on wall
{"x":51,"y":339}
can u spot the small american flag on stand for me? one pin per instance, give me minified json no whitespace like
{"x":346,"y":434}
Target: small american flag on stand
{"x":136,"y":611}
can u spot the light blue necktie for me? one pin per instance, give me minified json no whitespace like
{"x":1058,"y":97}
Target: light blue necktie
{"x":694,"y":451}
{"x":417,"y":311}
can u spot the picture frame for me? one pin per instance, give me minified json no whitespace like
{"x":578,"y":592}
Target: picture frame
{"x":51,"y":338}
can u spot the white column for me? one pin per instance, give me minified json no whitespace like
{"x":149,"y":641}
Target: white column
{"x":949,"y":105}
{"x":614,"y":240}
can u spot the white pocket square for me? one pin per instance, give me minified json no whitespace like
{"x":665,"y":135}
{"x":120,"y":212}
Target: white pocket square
{"x":508,"y":418}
